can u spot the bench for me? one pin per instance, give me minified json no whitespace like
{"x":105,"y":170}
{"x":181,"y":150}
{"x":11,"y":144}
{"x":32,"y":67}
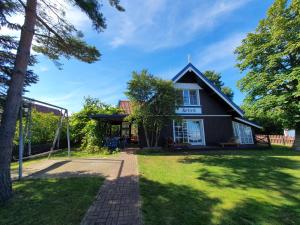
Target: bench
{"x":231,"y":142}
{"x":176,"y":146}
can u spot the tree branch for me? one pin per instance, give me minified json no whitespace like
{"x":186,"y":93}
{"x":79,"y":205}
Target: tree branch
{"x":45,"y":24}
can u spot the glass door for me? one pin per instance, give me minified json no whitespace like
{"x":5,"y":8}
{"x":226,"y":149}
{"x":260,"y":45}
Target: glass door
{"x":195,"y":132}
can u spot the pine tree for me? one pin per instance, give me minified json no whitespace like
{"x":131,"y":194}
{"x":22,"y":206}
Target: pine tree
{"x":54,"y":36}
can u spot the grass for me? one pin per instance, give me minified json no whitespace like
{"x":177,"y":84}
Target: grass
{"x":245,"y":187}
{"x":50,"y":201}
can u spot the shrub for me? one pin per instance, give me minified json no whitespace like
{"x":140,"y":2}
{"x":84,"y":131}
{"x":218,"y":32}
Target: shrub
{"x":90,"y":133}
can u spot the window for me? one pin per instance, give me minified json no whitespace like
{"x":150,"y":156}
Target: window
{"x":190,"y":97}
{"x":243,"y":133}
{"x":189,"y":131}
{"x":180,"y":129}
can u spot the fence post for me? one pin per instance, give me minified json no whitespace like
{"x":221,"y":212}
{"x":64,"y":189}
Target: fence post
{"x":269,"y":141}
{"x":283,"y":139}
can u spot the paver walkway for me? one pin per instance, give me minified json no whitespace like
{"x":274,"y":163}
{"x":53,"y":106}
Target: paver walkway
{"x":117,"y":202}
{"x":74,"y":167}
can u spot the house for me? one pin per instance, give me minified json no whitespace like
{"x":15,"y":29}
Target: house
{"x":207,"y":116}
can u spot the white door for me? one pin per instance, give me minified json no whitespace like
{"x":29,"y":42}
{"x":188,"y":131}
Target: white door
{"x":195,"y":132}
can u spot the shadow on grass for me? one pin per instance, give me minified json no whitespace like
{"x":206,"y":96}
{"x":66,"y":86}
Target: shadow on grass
{"x":252,"y":212}
{"x":245,"y":172}
{"x":251,"y":170}
{"x":50,"y":201}
{"x":172,"y":204}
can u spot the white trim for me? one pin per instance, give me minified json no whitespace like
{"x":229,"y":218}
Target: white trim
{"x":212,"y":87}
{"x":202,"y":132}
{"x":190,"y":110}
{"x":189,"y":97}
{"x":239,"y":133}
{"x":174,"y":131}
{"x":193,"y":86}
{"x":248,"y":122}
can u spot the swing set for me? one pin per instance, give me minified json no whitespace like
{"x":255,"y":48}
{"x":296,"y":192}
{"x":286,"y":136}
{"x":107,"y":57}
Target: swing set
{"x":26,"y":111}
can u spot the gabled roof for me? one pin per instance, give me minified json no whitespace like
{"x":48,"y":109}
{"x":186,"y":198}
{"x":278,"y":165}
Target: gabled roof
{"x":251,"y":123}
{"x":191,"y":67}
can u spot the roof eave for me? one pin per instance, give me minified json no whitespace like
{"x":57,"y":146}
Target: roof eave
{"x":191,"y":67}
{"x":249,"y":122}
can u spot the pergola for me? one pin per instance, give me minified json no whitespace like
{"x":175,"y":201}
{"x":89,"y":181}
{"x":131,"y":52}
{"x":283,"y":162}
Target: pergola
{"x":114,"y":119}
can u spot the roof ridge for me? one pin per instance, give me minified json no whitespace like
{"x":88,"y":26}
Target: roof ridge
{"x":209,"y":83}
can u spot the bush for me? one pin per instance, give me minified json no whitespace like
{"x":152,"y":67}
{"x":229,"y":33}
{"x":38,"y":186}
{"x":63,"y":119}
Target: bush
{"x":88,"y":133}
{"x":43,"y":128}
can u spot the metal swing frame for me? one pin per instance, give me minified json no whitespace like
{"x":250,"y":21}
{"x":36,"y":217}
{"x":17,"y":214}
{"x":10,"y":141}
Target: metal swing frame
{"x":64,"y":116}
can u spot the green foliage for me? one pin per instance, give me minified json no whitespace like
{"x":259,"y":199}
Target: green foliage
{"x":154,"y":103}
{"x":271,"y":59}
{"x":87,"y":132}
{"x":43,"y":128}
{"x":215,"y":78}
{"x":9,"y":45}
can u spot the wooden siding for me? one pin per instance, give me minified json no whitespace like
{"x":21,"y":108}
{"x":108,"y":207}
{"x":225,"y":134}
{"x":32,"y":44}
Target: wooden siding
{"x":210,"y":102}
{"x":217,"y":127}
{"x":217,"y":130}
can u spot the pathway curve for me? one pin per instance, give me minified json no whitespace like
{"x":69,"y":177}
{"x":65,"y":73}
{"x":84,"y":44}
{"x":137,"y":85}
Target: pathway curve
{"x":118,"y":202}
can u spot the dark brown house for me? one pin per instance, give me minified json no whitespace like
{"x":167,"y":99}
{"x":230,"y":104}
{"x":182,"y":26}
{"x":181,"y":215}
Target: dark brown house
{"x":208,"y":117}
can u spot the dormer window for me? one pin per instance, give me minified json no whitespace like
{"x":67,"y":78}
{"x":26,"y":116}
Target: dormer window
{"x":190,"y":97}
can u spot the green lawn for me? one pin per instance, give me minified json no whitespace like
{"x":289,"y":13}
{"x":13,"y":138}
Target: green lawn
{"x":223,"y":187}
{"x":50,"y":201}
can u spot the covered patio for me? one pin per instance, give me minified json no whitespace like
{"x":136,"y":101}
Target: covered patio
{"x":119,"y":132}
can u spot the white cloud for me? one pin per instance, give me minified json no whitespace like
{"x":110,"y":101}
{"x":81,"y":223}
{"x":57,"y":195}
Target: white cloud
{"x":219,"y":55}
{"x":157,"y":24}
{"x":42,"y":69}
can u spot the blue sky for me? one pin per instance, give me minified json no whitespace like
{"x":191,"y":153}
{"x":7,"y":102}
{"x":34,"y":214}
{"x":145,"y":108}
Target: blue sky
{"x":156,"y":35}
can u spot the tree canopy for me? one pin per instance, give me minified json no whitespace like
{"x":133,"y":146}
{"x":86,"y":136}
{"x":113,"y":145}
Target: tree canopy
{"x":87,"y":132}
{"x":47,"y":31}
{"x":215,"y":78}
{"x":270,"y":57}
{"x":154,"y":103}
{"x":9,"y":46}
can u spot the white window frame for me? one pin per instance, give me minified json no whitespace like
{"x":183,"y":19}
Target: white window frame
{"x":189,"y":97}
{"x":243,"y":139}
{"x":202,"y":131}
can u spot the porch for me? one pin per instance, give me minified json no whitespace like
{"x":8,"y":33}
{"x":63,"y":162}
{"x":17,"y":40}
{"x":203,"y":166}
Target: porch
{"x":119,"y":132}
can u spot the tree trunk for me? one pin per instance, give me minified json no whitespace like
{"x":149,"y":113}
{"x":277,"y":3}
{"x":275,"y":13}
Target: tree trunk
{"x":296,"y":145}
{"x":157,"y":134}
{"x":146,"y":135}
{"x":14,"y":98}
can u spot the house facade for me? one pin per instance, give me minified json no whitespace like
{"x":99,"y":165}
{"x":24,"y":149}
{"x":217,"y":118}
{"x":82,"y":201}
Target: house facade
{"x":206,"y":117}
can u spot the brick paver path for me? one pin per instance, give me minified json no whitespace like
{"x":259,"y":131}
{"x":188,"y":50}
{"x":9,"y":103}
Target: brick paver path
{"x":117,"y":202}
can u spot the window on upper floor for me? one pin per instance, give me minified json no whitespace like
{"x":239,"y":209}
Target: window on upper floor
{"x":190,"y":97}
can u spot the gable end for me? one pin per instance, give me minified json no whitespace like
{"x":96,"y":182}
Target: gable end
{"x":191,"y":67}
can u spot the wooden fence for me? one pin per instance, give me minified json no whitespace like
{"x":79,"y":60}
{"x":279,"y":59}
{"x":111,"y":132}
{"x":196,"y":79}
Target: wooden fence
{"x":276,"y":139}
